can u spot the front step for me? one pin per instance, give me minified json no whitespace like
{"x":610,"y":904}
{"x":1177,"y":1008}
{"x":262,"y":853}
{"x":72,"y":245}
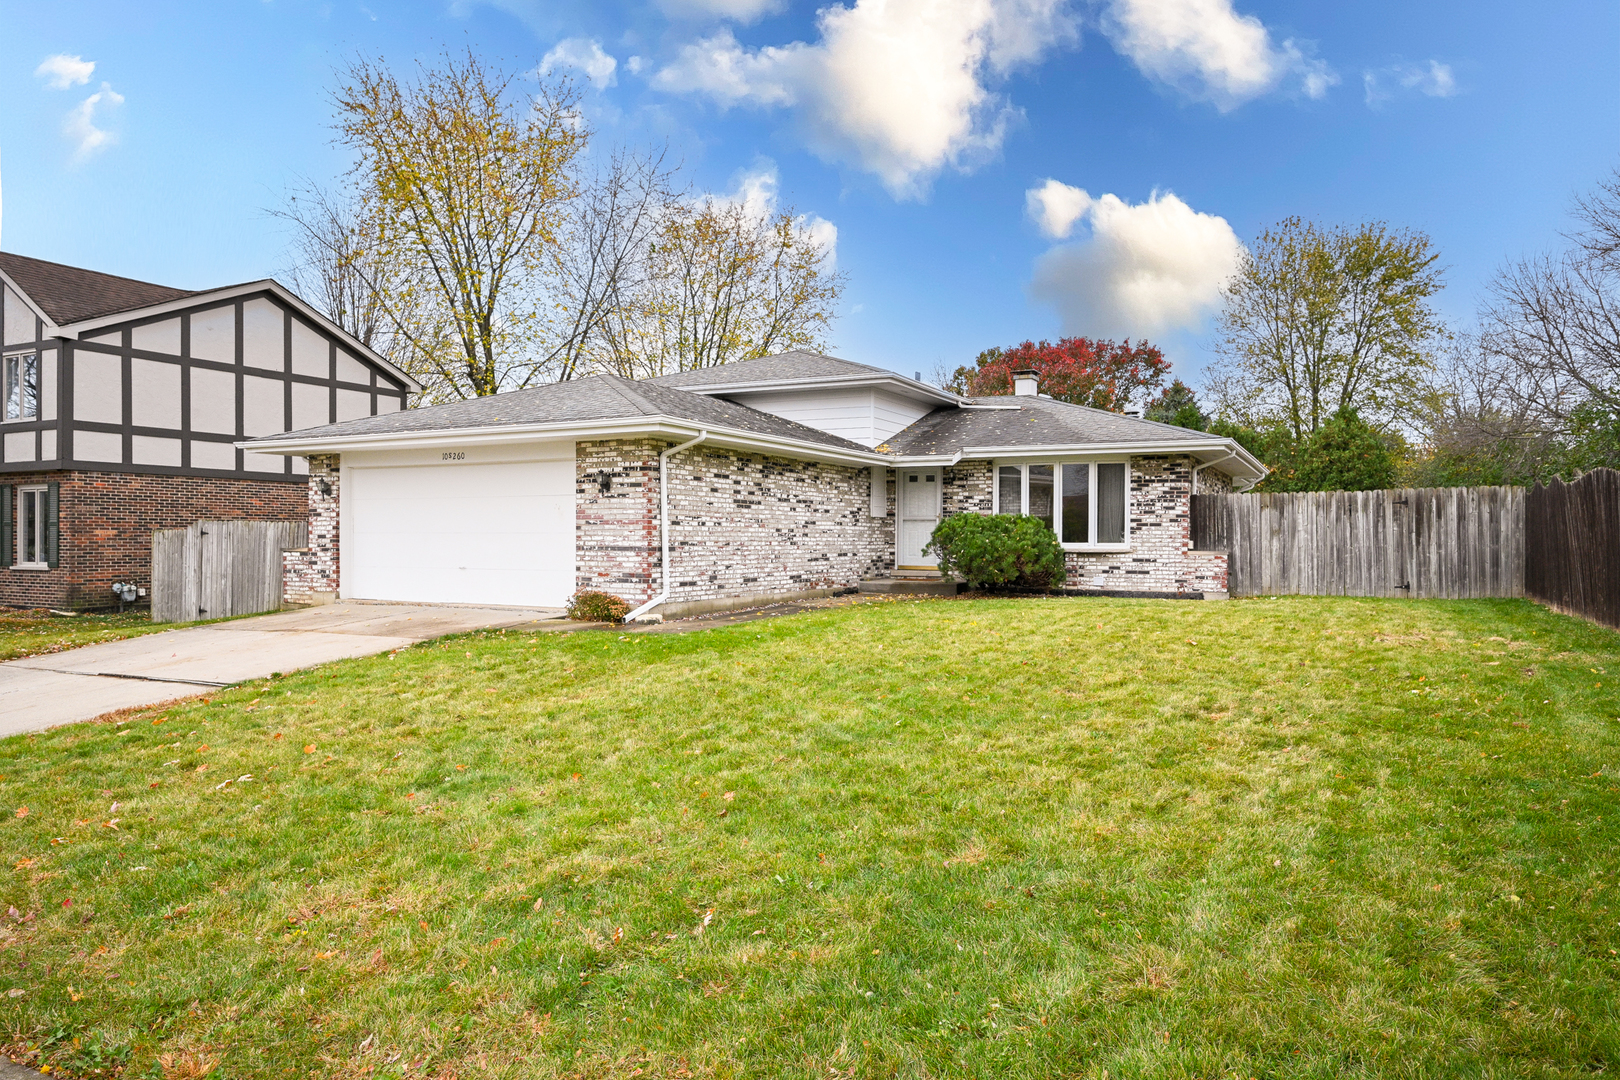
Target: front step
{"x":914,"y":586}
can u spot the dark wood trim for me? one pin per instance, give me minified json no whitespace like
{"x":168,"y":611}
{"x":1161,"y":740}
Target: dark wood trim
{"x":241,"y":384}
{"x":186,"y":368}
{"x":126,"y":374}
{"x":64,"y":404}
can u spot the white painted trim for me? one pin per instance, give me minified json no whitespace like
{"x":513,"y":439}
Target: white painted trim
{"x":73,"y":331}
{"x":1057,"y":462}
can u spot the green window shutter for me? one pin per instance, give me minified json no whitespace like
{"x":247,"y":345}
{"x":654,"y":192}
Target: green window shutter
{"x":7,"y":551}
{"x":52,"y":519}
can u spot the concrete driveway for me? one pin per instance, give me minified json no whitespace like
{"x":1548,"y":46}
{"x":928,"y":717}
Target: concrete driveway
{"x":43,"y":691}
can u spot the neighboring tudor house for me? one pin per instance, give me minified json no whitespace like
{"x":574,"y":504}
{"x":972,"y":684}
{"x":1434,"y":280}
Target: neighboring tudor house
{"x":786,"y":476}
{"x":121,"y":404}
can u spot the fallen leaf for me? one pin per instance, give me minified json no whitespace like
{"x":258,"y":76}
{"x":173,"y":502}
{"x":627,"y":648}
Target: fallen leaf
{"x":74,"y":994}
{"x":728,"y":796}
{"x":201,"y":748}
{"x":310,"y":749}
{"x":277,"y":735}
{"x":15,"y":993}
{"x":22,"y":811}
{"x":24,"y":864}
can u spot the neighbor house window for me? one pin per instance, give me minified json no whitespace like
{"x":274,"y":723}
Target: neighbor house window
{"x":33,"y":504}
{"x":1082,"y":501}
{"x":19,"y":375}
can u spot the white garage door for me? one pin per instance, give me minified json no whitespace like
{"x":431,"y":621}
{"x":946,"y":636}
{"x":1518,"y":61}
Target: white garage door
{"x":460,"y":532}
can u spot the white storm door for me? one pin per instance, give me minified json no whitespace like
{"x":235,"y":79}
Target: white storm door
{"x":461,"y":533}
{"x":918,"y":505}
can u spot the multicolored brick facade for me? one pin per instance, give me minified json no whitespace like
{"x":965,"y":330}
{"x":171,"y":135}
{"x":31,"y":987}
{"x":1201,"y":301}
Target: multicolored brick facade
{"x":748,"y":525}
{"x":740,"y":524}
{"x":310,"y":575}
{"x":106,"y":525}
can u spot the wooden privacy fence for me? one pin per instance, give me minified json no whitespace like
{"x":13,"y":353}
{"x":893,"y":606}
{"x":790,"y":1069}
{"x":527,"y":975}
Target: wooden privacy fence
{"x":213,"y":569}
{"x":1572,"y":545}
{"x":1420,"y":542}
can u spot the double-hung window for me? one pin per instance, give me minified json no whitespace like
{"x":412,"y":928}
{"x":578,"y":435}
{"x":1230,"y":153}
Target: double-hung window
{"x":19,"y":381}
{"x":33,"y":527}
{"x":1082,"y":501}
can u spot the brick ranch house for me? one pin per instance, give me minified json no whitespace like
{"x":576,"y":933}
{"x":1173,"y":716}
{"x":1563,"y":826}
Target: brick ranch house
{"x":788,"y":476}
{"x":121,"y":404}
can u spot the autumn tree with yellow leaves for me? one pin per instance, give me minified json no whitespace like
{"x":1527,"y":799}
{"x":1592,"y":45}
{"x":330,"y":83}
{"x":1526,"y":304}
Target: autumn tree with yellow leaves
{"x":478,"y":245}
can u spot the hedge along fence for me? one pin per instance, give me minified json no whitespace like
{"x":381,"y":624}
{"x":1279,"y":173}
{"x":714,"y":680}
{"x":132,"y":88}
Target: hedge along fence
{"x":1419,"y":542}
{"x":1572,"y":545}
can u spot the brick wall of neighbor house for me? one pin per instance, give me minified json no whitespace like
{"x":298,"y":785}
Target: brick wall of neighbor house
{"x":310,"y":575}
{"x":1161,"y":558}
{"x":106,"y":528}
{"x":740,"y":524}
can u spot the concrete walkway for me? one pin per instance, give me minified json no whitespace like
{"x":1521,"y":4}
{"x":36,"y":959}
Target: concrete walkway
{"x":40,"y":692}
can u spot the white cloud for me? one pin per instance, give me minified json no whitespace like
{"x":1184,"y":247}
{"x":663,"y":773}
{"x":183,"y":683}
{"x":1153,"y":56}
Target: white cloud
{"x":585,"y":54}
{"x":62,"y":71}
{"x":756,"y":193}
{"x":1209,"y":52}
{"x":1143,"y":270}
{"x":80,"y":125}
{"x":900,"y":88}
{"x":1056,"y":207}
{"x":1433,"y":79}
{"x":743,"y":11}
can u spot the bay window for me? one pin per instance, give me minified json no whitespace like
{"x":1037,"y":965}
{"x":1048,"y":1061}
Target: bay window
{"x":1082,"y":501}
{"x":19,"y":382}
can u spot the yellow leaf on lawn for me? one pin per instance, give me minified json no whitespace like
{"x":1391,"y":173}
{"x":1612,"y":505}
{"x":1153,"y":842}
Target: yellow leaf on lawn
{"x":310,"y":749}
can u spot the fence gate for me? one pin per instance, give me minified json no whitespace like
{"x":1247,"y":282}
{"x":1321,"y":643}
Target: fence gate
{"x":214,"y":569}
{"x":1416,"y":542}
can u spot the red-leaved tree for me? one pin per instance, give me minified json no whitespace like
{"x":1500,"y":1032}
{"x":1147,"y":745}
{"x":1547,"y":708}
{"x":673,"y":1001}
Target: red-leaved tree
{"x":1102,"y":374}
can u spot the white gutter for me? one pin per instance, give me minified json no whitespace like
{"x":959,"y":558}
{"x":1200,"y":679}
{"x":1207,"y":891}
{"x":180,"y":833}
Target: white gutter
{"x":663,"y":525}
{"x":1206,"y":465}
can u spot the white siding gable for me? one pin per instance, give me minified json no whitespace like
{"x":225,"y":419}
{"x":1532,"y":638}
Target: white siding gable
{"x":864,"y":415}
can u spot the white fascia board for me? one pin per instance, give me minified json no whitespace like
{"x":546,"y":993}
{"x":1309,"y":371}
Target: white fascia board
{"x":231,"y":292}
{"x":51,"y":329}
{"x":731,"y":438}
{"x":1227,"y":447}
{"x":909,"y":387}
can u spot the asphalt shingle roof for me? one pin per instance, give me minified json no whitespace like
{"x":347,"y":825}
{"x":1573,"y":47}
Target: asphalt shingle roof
{"x":69,"y":294}
{"x":1036,"y":421}
{"x":797,"y":364}
{"x":598,"y":397}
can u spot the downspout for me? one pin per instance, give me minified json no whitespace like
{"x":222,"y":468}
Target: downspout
{"x":663,"y":524}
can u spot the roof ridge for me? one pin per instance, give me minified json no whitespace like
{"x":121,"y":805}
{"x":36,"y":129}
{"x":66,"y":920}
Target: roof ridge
{"x":618,"y":383}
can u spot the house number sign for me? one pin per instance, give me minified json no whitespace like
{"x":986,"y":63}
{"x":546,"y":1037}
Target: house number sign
{"x":453,"y":455}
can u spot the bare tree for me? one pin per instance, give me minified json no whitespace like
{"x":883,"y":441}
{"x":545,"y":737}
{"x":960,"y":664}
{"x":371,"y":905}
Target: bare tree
{"x":605,"y":257}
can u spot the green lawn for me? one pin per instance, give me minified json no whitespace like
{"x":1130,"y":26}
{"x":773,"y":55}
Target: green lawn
{"x":1030,"y":838}
{"x":32,"y":633}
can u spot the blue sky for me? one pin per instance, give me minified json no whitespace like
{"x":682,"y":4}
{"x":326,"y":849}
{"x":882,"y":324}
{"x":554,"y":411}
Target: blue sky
{"x":919,"y":128}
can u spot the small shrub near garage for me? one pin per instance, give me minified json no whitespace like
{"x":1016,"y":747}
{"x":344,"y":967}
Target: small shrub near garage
{"x":999,"y":551}
{"x":597,"y":607}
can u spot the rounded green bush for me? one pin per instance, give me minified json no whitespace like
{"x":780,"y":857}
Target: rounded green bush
{"x":999,"y":551}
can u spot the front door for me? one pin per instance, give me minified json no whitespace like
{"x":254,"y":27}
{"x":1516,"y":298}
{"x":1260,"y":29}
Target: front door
{"x":918,"y":506}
